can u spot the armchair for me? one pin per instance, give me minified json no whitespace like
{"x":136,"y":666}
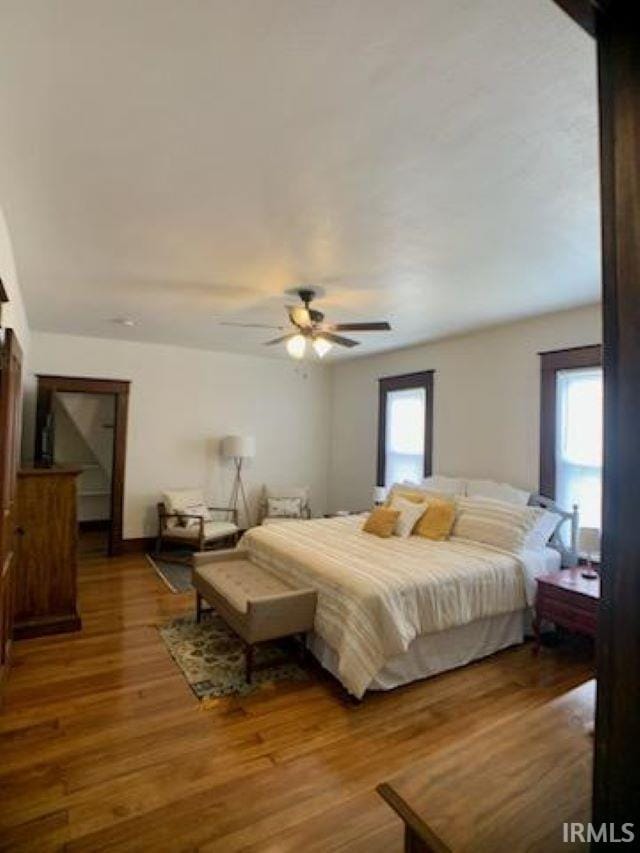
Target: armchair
{"x":184,"y":519}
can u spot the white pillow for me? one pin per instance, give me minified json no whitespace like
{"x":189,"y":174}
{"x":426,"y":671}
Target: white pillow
{"x":544,"y":528}
{"x":444,"y":485}
{"x":301,"y":492}
{"x":496,"y":523}
{"x":199,"y":509}
{"x":284,"y":507}
{"x":497,"y":492}
{"x":410,"y":513}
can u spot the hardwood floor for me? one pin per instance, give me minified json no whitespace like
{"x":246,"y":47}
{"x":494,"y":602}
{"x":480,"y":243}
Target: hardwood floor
{"x":103,"y":745}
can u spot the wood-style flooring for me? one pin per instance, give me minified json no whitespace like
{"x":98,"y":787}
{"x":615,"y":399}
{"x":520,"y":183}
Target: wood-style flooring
{"x":103,"y":745}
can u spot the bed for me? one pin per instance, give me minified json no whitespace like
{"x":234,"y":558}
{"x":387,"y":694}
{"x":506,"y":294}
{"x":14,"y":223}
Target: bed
{"x":394,"y":610}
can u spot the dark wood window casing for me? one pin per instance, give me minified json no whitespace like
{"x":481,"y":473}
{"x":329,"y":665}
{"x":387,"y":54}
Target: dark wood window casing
{"x":550,"y":364}
{"x":422,"y":379}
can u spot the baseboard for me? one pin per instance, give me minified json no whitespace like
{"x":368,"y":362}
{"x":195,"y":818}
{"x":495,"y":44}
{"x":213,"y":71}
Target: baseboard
{"x":138,"y":546}
{"x":94,"y":524}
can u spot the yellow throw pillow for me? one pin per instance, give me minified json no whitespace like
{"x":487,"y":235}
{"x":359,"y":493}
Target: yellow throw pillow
{"x":381,"y":521}
{"x":406,"y":492}
{"x":437,"y":521}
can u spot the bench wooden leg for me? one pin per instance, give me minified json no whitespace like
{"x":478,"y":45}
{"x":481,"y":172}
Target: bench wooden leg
{"x":198,"y":606}
{"x":248,"y":656}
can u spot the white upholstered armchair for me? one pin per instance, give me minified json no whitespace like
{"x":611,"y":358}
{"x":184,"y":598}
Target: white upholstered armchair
{"x":185,"y":519}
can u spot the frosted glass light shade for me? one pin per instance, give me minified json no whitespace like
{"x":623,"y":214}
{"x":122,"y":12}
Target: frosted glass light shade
{"x":321,"y":346}
{"x":379,"y":494}
{"x":589,"y":541}
{"x":238,"y":447}
{"x":296,"y":346}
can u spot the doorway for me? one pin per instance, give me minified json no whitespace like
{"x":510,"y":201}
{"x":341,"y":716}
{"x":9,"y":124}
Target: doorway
{"x":82,"y":423}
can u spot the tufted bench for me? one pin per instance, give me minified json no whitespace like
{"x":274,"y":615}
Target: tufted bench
{"x":257,"y":604}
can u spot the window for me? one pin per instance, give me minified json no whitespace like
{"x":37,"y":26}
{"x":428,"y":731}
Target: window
{"x":405,"y":427}
{"x":571,"y":431}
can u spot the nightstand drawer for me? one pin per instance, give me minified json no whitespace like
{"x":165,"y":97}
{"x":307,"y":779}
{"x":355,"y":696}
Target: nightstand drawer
{"x":550,"y":596}
{"x":572,"y":618}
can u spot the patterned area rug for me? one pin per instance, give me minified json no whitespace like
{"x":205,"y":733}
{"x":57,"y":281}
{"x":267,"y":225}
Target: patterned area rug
{"x":211,"y":658}
{"x":174,"y":569}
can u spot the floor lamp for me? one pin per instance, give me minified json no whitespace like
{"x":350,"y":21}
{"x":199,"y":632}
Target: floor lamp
{"x":239,"y":448}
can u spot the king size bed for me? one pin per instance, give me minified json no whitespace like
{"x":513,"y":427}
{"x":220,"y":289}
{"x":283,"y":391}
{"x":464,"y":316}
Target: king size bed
{"x":393,"y":610}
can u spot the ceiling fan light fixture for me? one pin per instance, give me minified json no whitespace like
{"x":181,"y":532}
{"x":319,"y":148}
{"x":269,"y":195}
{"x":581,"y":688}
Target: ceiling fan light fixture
{"x":321,"y":346}
{"x":296,"y":346}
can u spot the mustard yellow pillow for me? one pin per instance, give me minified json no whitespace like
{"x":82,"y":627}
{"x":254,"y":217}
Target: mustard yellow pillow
{"x":437,"y":521}
{"x":381,"y":521}
{"x":406,"y":492}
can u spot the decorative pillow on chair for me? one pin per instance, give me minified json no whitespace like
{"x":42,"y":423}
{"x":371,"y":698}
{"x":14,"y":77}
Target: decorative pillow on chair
{"x":284,"y":507}
{"x":194,"y":509}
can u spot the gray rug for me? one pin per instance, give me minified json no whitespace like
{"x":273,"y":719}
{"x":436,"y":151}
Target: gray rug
{"x":211,"y":658}
{"x":173,"y":569}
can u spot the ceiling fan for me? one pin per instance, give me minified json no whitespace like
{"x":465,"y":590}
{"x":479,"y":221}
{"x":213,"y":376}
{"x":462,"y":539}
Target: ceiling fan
{"x":307,"y":324}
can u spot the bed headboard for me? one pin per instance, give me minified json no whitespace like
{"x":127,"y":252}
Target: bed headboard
{"x":569,"y":554}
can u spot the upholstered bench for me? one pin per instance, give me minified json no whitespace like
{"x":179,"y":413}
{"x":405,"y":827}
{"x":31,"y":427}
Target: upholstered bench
{"x":255,"y":603}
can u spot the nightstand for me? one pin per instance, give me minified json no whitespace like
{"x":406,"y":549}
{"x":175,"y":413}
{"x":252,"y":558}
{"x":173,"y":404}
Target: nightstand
{"x":569,"y":600}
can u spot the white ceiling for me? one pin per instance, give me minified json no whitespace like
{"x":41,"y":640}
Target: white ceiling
{"x":179,"y":162}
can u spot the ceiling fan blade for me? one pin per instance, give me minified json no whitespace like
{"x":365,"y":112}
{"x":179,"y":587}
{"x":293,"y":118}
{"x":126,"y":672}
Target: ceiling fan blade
{"x":299,"y":316}
{"x":338,"y":339}
{"x":359,"y":327}
{"x":250,"y":325}
{"x":282,"y":339}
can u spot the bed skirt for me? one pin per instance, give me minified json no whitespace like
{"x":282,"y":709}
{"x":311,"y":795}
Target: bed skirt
{"x":430,"y":654}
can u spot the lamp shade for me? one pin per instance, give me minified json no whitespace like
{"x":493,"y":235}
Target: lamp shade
{"x":238,"y":447}
{"x":379,"y":494}
{"x":589,"y":541}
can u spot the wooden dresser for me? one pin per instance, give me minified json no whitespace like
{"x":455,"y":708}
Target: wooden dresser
{"x":46,"y":552}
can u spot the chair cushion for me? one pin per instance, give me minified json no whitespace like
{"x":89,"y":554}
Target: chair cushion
{"x":212,"y":530}
{"x":238,"y":581}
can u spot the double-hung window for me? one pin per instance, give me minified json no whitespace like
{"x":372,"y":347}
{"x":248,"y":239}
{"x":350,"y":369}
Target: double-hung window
{"x":405,"y":426}
{"x":571,"y":431}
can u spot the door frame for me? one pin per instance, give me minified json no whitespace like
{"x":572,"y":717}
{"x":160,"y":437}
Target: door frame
{"x":48,"y":385}
{"x":615,"y":26}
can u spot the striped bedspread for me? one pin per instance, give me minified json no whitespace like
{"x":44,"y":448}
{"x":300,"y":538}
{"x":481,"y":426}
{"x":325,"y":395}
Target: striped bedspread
{"x":376,"y":595}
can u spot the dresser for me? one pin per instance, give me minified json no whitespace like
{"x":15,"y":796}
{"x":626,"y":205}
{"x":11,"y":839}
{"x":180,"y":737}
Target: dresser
{"x":46,"y":552}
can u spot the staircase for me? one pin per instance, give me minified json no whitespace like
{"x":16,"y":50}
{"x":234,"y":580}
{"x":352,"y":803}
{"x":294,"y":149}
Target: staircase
{"x":84,"y":439}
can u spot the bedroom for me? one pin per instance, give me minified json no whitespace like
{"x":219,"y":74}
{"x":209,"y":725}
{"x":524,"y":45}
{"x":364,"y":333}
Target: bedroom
{"x":143,"y":245}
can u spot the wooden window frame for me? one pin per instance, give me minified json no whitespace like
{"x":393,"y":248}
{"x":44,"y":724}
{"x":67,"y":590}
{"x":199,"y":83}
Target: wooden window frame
{"x":421,"y":379}
{"x":550,"y":364}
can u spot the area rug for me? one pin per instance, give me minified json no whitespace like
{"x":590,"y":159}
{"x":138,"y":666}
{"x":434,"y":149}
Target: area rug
{"x":174,"y":568}
{"x":212,"y":660}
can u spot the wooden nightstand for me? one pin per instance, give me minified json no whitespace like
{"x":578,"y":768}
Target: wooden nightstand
{"x":567,"y":599}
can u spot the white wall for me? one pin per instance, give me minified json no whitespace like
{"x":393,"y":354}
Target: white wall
{"x":182,"y":401}
{"x":14,"y":314}
{"x":486,"y":409}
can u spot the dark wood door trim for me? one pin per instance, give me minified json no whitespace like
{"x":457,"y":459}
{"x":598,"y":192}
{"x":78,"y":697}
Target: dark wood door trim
{"x":421,"y":379}
{"x":47,"y":386}
{"x":550,"y":363}
{"x":616,"y":792}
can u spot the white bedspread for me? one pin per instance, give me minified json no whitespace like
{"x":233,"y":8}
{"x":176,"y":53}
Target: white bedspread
{"x":376,"y":595}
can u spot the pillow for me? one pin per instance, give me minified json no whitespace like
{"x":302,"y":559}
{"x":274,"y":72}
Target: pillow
{"x":381,"y":521}
{"x":445,"y":485}
{"x":284,"y":507}
{"x":543,"y":530}
{"x":410,"y":513}
{"x":496,"y":523}
{"x":408,"y":491}
{"x":497,"y":492}
{"x":438,"y":520}
{"x":198,"y":509}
